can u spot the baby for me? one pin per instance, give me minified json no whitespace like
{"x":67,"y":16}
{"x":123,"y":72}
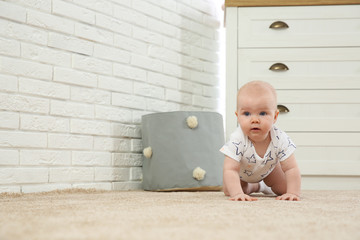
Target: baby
{"x":259,"y":156}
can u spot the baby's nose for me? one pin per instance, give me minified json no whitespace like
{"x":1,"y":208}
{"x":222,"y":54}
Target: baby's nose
{"x":254,"y":119}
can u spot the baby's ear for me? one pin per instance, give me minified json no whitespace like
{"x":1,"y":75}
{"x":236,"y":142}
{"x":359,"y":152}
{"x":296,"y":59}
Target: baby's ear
{"x":236,"y":113}
{"x":276,"y":115}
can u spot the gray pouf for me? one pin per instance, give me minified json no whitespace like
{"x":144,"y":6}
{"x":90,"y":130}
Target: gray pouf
{"x":182,"y":152}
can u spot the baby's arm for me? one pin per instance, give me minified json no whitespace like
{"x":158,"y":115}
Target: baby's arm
{"x":231,"y":182}
{"x":293,"y":179}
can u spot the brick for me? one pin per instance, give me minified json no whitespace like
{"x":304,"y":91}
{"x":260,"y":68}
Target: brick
{"x":44,"y":88}
{"x":75,"y":77}
{"x":204,"y":54}
{"x":188,"y":12}
{"x":113,"y":114}
{"x":136,"y":119}
{"x":115,"y":84}
{"x":136,"y":174}
{"x":23,"y":175}
{"x":23,"y":32}
{"x":147,"y":36}
{"x":69,"y":141}
{"x":103,"y":6}
{"x":112,"y":144}
{"x":94,"y":34}
{"x":130,"y":44}
{"x":204,"y":78}
{"x":211,"y":44}
{"x":9,"y":47}
{"x":70,"y":43}
{"x":49,"y":22}
{"x":147,"y":63}
{"x":191,"y":87}
{"x":25,"y":68}
{"x":44,"y":157}
{"x":8,"y":83}
{"x":44,"y":5}
{"x":123,"y":186}
{"x":129,"y":72}
{"x":136,"y":145}
{"x":73,"y":11}
{"x":112,"y":174}
{"x":9,"y":157}
{"x":71,"y":109}
{"x":129,"y":15}
{"x":179,"y":97}
{"x":192,"y":63}
{"x":161,"y":106}
{"x":73,"y":174}
{"x":127,"y":159}
{"x":10,"y":189}
{"x":12,"y":11}
{"x":22,"y":139}
{"x":164,"y":54}
{"x":90,"y":64}
{"x":163,"y":28}
{"x":44,"y":123}
{"x":113,"y":24}
{"x":9,"y":120}
{"x":111,"y":54}
{"x":125,"y":130}
{"x":89,"y":95}
{"x":176,"y":71}
{"x":85,"y":158}
{"x":163,"y":80}
{"x":45,"y":55}
{"x":128,"y":101}
{"x":202,"y":101}
{"x":147,"y":90}
{"x":211,"y":91}
{"x":177,"y":45}
{"x":147,"y":8}
{"x":90,"y":127}
{"x":14,"y":102}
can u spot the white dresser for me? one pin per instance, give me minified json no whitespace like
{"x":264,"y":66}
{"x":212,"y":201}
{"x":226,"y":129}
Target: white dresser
{"x":311,"y":55}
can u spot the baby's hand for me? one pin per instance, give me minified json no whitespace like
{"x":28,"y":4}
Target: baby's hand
{"x":242,"y":197}
{"x":289,"y":197}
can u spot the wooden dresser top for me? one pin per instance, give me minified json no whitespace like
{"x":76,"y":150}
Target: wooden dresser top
{"x":267,"y":3}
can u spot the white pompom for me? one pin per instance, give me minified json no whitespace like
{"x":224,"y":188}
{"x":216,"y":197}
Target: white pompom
{"x":192,"y":122}
{"x":199,"y":173}
{"x":147,"y":152}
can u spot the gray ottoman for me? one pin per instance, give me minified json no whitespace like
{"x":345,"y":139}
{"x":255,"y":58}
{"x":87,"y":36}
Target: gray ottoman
{"x":182,"y":151}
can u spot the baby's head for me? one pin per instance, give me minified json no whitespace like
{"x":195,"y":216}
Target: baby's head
{"x":257,"y":110}
{"x":254,"y":91}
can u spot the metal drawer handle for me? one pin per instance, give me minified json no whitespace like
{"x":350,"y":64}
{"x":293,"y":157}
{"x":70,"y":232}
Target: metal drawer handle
{"x":278,"y":67}
{"x":282,"y":108}
{"x":279,"y":25}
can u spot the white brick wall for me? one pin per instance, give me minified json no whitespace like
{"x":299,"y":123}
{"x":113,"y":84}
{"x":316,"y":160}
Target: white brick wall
{"x":76,"y":77}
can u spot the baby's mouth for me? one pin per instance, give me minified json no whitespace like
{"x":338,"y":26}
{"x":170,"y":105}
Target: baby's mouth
{"x":255,"y":129}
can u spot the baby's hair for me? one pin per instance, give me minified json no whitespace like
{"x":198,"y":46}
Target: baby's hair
{"x":257,"y":84}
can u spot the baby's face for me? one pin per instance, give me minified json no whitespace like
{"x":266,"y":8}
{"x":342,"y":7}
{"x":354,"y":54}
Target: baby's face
{"x":256,"y":113}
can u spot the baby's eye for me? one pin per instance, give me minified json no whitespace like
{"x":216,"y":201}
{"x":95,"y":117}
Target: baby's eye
{"x":246,"y":113}
{"x":263,"y":114}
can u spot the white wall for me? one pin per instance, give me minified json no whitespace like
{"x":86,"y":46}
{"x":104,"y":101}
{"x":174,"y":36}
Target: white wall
{"x":77,"y":75}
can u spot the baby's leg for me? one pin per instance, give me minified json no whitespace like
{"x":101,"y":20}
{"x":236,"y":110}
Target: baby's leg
{"x":247,"y":188}
{"x":276,"y":180}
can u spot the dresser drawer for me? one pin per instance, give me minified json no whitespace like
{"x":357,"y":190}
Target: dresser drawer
{"x":316,"y":118}
{"x":307,"y":26}
{"x":308,"y":68}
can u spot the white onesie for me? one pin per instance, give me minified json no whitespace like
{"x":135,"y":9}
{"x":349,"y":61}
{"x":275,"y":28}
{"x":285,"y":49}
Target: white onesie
{"x":253,"y":168}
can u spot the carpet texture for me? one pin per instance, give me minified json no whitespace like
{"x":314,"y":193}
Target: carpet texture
{"x":81,"y":214}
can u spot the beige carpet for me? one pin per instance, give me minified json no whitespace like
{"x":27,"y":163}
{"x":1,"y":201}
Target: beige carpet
{"x":80,"y":214}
